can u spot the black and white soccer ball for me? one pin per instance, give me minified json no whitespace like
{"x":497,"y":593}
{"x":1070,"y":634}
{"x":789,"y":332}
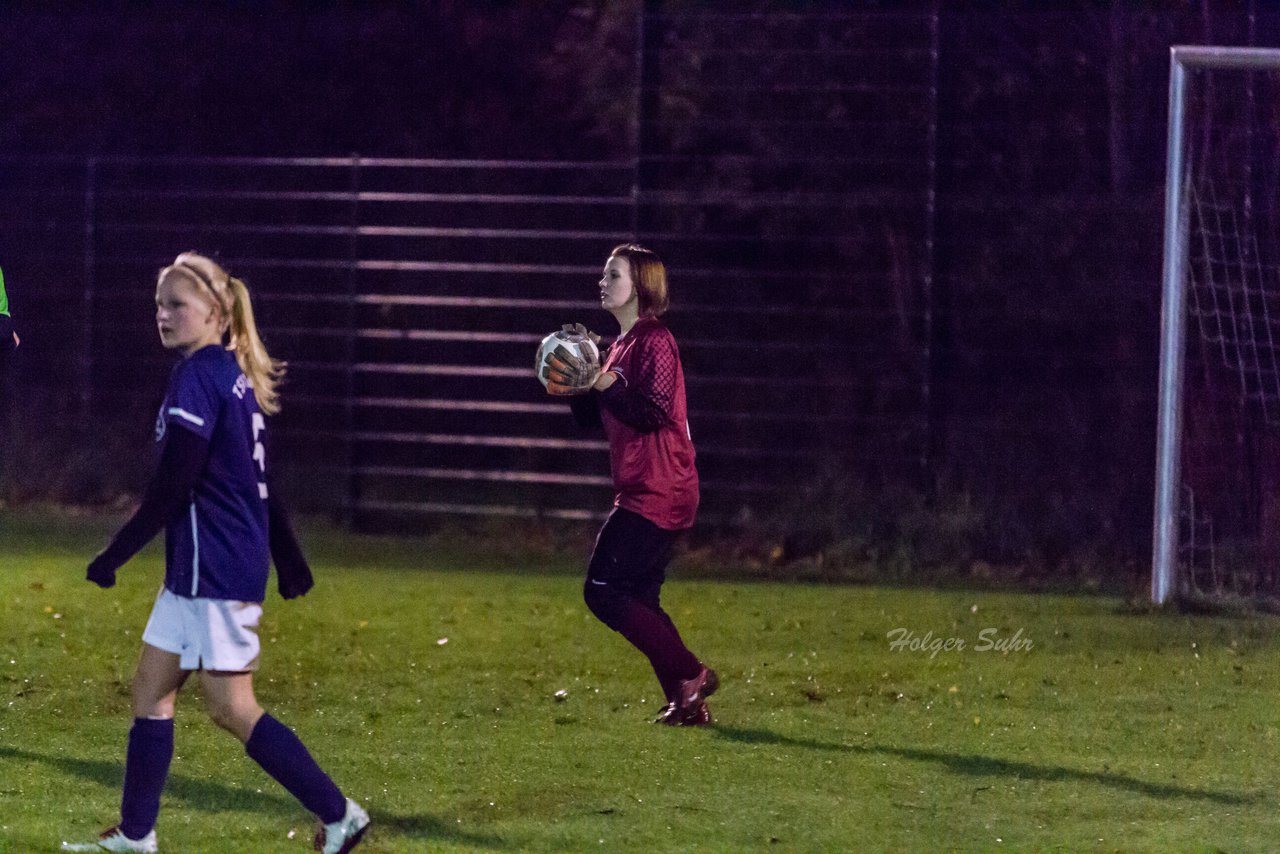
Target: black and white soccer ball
{"x":575,"y":342}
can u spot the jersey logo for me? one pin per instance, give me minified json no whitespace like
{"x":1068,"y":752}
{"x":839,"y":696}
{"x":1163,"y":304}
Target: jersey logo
{"x":242,"y":385}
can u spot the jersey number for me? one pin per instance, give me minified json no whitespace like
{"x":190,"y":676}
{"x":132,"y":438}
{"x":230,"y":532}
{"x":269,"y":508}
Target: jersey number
{"x":260,"y":452}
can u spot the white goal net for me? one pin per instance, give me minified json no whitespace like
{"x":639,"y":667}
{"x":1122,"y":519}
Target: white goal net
{"x":1217,"y":520}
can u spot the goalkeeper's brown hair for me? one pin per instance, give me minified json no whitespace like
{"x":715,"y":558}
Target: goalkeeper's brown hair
{"x":648,"y":275}
{"x":231,"y":297}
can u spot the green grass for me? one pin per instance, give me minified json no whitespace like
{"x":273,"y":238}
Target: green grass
{"x":1115,"y":731}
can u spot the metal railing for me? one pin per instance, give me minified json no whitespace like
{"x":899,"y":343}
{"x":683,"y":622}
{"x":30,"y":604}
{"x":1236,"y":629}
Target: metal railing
{"x":408,"y":297}
{"x":793,"y":204}
{"x":895,"y":261}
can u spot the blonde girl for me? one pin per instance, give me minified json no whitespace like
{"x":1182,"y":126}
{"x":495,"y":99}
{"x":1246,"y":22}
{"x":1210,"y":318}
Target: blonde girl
{"x":223,"y":527}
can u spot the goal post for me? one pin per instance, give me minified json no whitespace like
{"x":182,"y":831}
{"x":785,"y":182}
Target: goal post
{"x":1218,"y":336}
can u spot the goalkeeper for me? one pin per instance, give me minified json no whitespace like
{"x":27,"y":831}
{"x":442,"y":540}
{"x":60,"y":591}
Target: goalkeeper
{"x":8,"y":338}
{"x":637,"y":396}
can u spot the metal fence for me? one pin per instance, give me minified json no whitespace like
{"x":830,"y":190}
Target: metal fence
{"x":784,"y":165}
{"x":408,"y":297}
{"x":914,"y":249}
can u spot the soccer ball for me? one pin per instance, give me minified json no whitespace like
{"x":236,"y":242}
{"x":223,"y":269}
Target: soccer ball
{"x":575,"y":342}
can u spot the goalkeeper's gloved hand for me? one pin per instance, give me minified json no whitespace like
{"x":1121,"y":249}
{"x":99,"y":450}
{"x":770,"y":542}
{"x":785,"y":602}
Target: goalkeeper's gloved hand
{"x":101,"y":572}
{"x":567,"y":373}
{"x":579,"y":329}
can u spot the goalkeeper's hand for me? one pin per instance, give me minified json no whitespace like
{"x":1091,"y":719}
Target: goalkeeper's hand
{"x":101,"y":572}
{"x":568,"y":374}
{"x":579,"y":329}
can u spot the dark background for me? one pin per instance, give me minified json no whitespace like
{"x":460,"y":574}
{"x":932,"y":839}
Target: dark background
{"x":1000,"y":166}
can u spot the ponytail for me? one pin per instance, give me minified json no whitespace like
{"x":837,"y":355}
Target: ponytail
{"x":264,"y":372}
{"x":232,"y":298}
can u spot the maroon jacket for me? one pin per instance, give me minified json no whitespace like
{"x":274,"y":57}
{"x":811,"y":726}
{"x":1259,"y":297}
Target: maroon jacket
{"x":651,"y":452}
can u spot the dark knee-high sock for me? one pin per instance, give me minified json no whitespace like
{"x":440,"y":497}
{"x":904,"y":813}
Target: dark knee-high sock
{"x":652,"y":633}
{"x":283,"y":755}
{"x":689,"y":666}
{"x":670,"y":681}
{"x":146,"y":767}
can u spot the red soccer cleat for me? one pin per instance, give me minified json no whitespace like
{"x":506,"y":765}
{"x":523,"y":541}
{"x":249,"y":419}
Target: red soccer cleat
{"x":699,"y":715}
{"x":697,"y":689}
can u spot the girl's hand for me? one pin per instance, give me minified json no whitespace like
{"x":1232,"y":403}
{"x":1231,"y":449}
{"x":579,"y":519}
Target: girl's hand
{"x":567,"y":373}
{"x":581,"y":330}
{"x":101,"y":573}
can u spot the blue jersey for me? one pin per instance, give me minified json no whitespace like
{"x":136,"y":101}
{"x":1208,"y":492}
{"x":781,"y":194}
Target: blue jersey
{"x":219,"y":549}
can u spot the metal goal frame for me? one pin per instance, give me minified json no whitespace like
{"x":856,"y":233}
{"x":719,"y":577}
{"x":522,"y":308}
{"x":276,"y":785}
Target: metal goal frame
{"x":1182,"y":59}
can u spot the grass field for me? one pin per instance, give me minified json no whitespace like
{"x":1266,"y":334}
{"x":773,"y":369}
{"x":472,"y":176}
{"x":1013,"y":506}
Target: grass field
{"x":1113,"y":731}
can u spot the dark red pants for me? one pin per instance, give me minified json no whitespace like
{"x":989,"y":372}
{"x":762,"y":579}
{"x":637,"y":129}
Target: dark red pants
{"x":623,"y":589}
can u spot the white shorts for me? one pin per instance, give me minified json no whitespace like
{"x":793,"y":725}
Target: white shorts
{"x":207,"y":634}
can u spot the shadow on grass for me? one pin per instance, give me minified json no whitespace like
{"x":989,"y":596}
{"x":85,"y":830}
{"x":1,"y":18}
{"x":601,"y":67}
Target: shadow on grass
{"x":208,"y":796}
{"x":203,"y":795}
{"x":985,"y":766}
{"x":430,"y":827}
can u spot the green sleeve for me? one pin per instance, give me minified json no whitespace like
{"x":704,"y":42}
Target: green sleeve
{"x":4,"y":300}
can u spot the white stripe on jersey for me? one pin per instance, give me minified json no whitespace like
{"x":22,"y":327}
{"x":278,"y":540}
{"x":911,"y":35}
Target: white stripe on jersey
{"x":186,"y":416}
{"x":195,"y":552}
{"x":262,"y":490}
